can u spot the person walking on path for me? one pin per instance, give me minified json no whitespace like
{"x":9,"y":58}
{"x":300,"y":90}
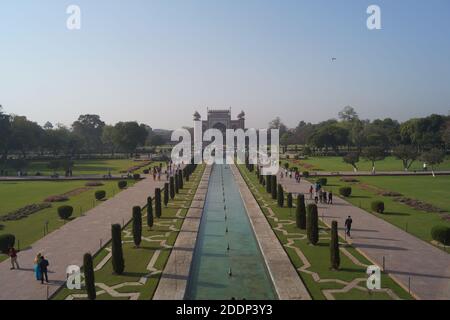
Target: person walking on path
{"x":37,"y":269}
{"x":311,"y":190}
{"x":12,"y":253}
{"x":330,"y":197}
{"x":43,"y":265}
{"x":348,"y":226}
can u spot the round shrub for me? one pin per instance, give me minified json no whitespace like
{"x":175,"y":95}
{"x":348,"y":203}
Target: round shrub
{"x":305,"y":174}
{"x":295,"y":169}
{"x":100,"y":194}
{"x":377,"y":206}
{"x":345,"y":191}
{"x":441,"y":234}
{"x":146,"y":171}
{"x":322,"y":181}
{"x":122,"y":184}
{"x":136,"y":176}
{"x":6,"y":241}
{"x":65,"y":212}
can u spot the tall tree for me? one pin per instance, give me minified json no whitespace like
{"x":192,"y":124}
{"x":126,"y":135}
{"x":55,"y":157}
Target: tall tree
{"x":408,"y":154}
{"x":118,"y":262}
{"x":89,"y":128}
{"x":348,"y":114}
{"x":374,"y":154}
{"x":300,"y":212}
{"x":89,"y":276}
{"x":312,"y":224}
{"x":352,"y":158}
{"x":433,"y":158}
{"x":335,"y":259}
{"x":137,"y":226}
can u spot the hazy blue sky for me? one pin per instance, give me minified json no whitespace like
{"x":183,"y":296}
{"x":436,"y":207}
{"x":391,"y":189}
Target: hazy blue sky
{"x":159,"y":61}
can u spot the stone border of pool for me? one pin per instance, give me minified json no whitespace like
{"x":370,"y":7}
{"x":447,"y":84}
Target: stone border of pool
{"x":174,"y":279}
{"x":285,"y":278}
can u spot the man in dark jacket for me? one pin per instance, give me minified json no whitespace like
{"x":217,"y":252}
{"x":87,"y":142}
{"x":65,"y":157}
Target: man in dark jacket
{"x":348,"y":226}
{"x":43,"y":265}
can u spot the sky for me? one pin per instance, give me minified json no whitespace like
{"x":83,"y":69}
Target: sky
{"x":158,"y":61}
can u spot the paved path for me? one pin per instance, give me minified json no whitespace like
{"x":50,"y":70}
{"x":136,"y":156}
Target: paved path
{"x":67,"y":245}
{"x":377,"y":174}
{"x":407,"y":258}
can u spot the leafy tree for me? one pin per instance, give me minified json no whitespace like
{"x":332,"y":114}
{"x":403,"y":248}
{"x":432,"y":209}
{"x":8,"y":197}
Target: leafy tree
{"x":158,"y":209}
{"x":5,"y":134}
{"x":129,"y":135}
{"x":25,"y":135}
{"x":334,"y":247}
{"x":89,"y":276}
{"x":149,"y":212}
{"x":329,"y":136}
{"x":278,"y":124}
{"x":300,"y":212}
{"x":352,"y":158}
{"x":118,"y":262}
{"x":18,"y":164}
{"x":407,"y":153}
{"x":433,"y":158}
{"x":374,"y":154}
{"x":348,"y":114}
{"x":312,"y":224}
{"x":89,"y":128}
{"x":108,"y":138}
{"x":137,"y":226}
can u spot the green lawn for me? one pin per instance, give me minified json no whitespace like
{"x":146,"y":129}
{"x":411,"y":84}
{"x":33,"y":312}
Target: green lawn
{"x":137,"y":259}
{"x":435,"y":191}
{"x":333,"y":164}
{"x":81,"y":167}
{"x":318,"y":256}
{"x":15,"y":195}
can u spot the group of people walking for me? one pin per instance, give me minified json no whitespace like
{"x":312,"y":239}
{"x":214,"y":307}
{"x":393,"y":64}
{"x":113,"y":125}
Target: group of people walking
{"x":319,"y":195}
{"x":40,"y":267}
{"x":291,"y":174}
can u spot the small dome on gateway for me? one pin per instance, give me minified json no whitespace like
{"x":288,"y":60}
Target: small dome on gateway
{"x":197,"y":116}
{"x":241,"y":115}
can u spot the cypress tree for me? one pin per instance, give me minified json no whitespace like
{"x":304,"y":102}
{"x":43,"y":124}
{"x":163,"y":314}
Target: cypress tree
{"x":89,"y":277}
{"x":177,"y":183}
{"x":312,"y":224}
{"x":269,"y":184}
{"x":334,"y":247}
{"x":166,"y":194}
{"x":289,"y":200}
{"x":158,"y":203}
{"x":280,"y":196}
{"x":137,"y":226}
{"x":150,"y":212}
{"x":172,"y":188}
{"x":300,"y":212}
{"x":116,"y":247}
{"x":180,"y":176}
{"x":274,"y":187}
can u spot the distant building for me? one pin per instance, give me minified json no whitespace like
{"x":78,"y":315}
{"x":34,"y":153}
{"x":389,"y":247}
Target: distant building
{"x":221,"y":119}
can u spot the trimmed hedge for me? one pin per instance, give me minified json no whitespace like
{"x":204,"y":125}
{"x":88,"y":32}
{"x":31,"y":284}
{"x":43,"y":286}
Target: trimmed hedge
{"x":345,"y":191}
{"x":122,"y":184}
{"x":166,"y":194}
{"x":158,"y":209}
{"x":100,"y":194}
{"x":274,"y":187}
{"x":6,"y":241}
{"x":305,"y":174}
{"x":441,"y":234}
{"x":322,"y":181}
{"x":377,"y":206}
{"x":136,"y":176}
{"x":289,"y":200}
{"x":280,"y":196}
{"x":335,"y":259}
{"x":65,"y":212}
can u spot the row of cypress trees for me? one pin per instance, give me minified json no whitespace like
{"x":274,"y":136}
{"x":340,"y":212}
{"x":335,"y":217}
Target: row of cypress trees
{"x":306,"y":217}
{"x":118,"y":261}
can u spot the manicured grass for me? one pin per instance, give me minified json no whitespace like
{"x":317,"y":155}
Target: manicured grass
{"x":318,"y":256}
{"x":435,"y":191}
{"x":137,"y":259}
{"x":15,"y":195}
{"x":81,"y":167}
{"x":333,"y":164}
